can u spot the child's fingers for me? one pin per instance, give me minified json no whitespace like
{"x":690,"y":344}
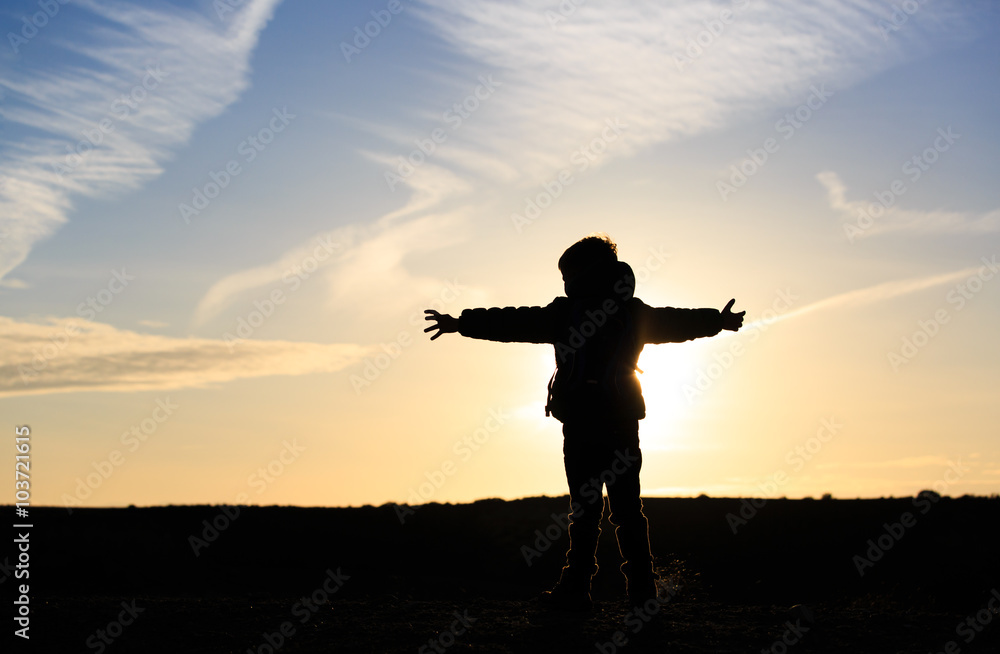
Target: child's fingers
{"x":730,"y":305}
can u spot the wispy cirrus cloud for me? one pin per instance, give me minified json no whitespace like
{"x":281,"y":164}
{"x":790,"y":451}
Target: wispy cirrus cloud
{"x":363,"y":264}
{"x":875,"y":293}
{"x":668,"y":70}
{"x":70,"y":355}
{"x":557,"y":83}
{"x":128,"y":88}
{"x":883,"y":216}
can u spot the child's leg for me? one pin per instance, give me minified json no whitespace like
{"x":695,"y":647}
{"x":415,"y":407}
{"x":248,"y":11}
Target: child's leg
{"x":632,"y":530}
{"x":582,"y":456}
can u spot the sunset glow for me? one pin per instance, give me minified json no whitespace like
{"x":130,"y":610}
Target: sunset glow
{"x":219,"y":231}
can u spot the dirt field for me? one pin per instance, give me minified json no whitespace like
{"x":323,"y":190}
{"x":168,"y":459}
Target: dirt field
{"x":463,"y":578}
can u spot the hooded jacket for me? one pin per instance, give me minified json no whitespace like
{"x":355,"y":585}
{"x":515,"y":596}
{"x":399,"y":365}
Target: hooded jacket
{"x":598,"y":331}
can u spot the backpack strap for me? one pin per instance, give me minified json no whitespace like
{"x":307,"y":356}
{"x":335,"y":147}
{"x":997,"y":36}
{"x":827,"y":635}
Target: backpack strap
{"x":548,"y":400}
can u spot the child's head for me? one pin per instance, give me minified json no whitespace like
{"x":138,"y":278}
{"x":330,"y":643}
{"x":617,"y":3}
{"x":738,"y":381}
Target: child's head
{"x":584,"y":262}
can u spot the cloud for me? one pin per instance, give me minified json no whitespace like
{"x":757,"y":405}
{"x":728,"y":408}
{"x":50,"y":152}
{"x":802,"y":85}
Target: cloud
{"x":547,"y":90}
{"x":871,"y":294}
{"x":868,"y":218}
{"x":363,"y":265}
{"x":66,"y":355}
{"x":667,"y":70}
{"x":10,"y":282}
{"x":132,"y":84}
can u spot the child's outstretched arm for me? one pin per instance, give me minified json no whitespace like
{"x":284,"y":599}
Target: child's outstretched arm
{"x":506,"y":324}
{"x":670,"y":325}
{"x":444,"y":323}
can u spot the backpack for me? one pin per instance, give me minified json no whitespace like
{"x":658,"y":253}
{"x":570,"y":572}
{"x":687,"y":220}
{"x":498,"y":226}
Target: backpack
{"x":595,"y":365}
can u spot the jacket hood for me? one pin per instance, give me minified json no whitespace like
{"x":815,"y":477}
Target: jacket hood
{"x":613,"y":281}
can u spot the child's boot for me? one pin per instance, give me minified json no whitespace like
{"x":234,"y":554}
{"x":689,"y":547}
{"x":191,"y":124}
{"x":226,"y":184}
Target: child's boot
{"x":642,"y":588}
{"x":571,"y":593}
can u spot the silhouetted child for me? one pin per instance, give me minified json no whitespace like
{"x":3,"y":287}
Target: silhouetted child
{"x":598,"y":330}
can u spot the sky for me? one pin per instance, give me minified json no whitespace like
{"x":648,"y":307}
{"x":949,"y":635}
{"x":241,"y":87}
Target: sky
{"x":220,"y":223}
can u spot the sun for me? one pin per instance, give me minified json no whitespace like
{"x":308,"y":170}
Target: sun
{"x":666,"y":369}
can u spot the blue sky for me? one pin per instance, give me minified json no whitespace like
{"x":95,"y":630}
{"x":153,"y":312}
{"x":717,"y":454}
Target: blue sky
{"x":644,"y":110}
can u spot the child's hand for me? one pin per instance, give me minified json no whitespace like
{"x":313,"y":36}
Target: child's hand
{"x":732,"y":321}
{"x":445,"y":324}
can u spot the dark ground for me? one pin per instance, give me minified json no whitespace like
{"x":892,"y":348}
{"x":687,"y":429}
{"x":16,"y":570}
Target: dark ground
{"x":402,"y":586}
